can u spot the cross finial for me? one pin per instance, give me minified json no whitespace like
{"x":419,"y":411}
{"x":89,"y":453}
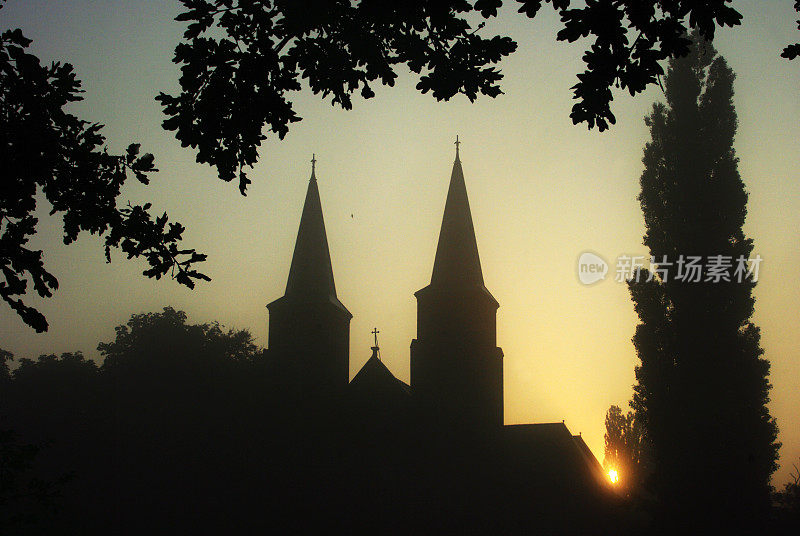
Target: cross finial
{"x":457,"y":144}
{"x":375,"y":334}
{"x":313,"y":162}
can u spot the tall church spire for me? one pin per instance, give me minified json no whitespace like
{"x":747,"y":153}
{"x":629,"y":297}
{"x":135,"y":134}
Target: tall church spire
{"x":457,"y":263}
{"x":456,"y":366}
{"x":311,"y":273}
{"x":309,"y":328}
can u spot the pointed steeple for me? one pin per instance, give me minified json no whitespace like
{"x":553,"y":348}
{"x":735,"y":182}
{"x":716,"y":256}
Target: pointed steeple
{"x":457,"y":262}
{"x":456,"y":366}
{"x":311,"y":273}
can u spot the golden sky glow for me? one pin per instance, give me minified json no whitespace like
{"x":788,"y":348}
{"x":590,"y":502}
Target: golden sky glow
{"x":541,"y":190}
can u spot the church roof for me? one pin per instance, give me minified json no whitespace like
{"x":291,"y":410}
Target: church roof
{"x":311,"y":273}
{"x":457,"y":263}
{"x":551,"y":452}
{"x":375,"y":377}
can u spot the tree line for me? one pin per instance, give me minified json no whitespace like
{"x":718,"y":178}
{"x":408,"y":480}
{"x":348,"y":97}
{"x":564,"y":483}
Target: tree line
{"x":169,"y":408}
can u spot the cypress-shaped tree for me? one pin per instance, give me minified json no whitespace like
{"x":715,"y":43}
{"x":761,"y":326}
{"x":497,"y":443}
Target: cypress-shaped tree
{"x":702,"y":385}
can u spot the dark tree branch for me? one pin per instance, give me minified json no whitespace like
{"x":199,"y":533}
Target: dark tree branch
{"x":45,"y":149}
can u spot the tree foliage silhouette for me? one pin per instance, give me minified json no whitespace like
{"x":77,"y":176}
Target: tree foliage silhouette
{"x":27,"y":502}
{"x":165,"y":340}
{"x":792,"y":51}
{"x":624,"y":447}
{"x":46,"y":150}
{"x":5,"y":371}
{"x":788,"y":500}
{"x":701,"y":388}
{"x":242,"y":59}
{"x":176,"y":412}
{"x":39,"y":403}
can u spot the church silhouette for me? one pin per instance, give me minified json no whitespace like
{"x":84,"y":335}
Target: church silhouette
{"x":376,"y":453}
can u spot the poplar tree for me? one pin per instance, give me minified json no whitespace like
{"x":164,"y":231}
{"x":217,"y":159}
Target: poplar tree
{"x":702,"y":386}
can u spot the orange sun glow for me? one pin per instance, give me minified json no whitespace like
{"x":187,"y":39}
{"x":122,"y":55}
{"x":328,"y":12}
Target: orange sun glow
{"x":613,"y":476}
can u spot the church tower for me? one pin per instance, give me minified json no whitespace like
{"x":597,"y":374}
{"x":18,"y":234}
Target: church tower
{"x":309,"y":328}
{"x":456,"y":366}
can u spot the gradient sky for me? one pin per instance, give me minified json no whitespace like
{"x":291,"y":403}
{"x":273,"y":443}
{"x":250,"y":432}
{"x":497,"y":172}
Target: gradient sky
{"x":541,"y":190}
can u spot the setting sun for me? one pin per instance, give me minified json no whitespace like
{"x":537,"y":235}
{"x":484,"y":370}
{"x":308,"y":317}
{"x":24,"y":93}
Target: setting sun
{"x":613,"y":476}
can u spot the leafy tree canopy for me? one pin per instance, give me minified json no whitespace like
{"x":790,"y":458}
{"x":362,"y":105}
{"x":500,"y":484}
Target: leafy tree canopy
{"x":242,"y":59}
{"x":172,"y":399}
{"x":48,"y":152}
{"x":165,"y":341}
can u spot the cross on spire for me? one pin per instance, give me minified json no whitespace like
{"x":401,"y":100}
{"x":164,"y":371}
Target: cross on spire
{"x":313,"y":162}
{"x":457,"y":144}
{"x":375,"y":334}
